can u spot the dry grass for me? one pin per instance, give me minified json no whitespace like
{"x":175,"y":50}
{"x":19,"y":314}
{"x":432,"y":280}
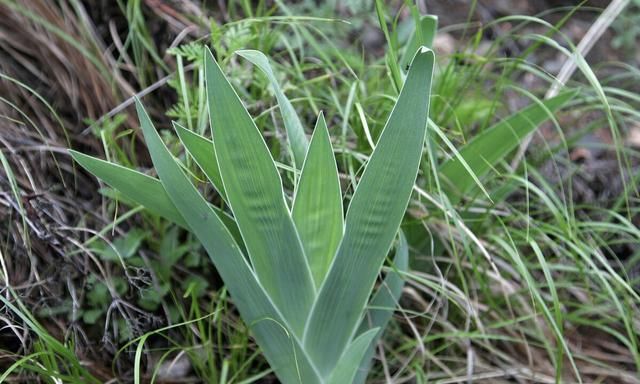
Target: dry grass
{"x":59,"y":72}
{"x":49,"y":53}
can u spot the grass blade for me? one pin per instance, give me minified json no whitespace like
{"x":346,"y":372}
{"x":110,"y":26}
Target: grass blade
{"x":372,"y":220}
{"x":15,"y":191}
{"x":486,"y":149}
{"x":53,"y":348}
{"x":317,"y":206}
{"x":383,"y":304}
{"x":295,"y":131}
{"x":281,"y":348}
{"x":254,"y":192}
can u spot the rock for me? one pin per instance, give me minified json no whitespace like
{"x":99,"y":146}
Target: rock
{"x":444,"y":44}
{"x":633,"y":136}
{"x":176,"y":368}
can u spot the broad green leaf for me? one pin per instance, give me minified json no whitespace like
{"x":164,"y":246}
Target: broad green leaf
{"x":254,"y":192}
{"x":210,"y":167}
{"x":281,"y":347}
{"x":347,"y":366}
{"x":295,"y":131}
{"x":317,"y":206}
{"x":136,"y":186}
{"x":202,"y":151}
{"x":372,"y":220}
{"x":422,"y":35}
{"x":144,"y":190}
{"x":383,"y":304}
{"x":486,"y":149}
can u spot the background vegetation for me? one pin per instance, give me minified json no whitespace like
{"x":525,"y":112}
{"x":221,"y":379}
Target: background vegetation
{"x":527,"y":274}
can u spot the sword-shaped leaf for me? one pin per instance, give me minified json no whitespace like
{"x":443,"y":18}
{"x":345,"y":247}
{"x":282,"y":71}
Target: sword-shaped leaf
{"x":295,"y":131}
{"x":254,"y":192}
{"x":372,"y":219}
{"x":144,"y":190}
{"x":383,"y":304}
{"x":202,"y":151}
{"x":136,"y":186}
{"x":270,"y":328}
{"x":423,"y":35}
{"x":348,"y":364}
{"x":317,"y":206}
{"x":486,"y":149}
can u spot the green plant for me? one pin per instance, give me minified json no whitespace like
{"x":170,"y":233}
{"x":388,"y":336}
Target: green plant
{"x":627,"y":27}
{"x":306,"y":274}
{"x":54,"y":361}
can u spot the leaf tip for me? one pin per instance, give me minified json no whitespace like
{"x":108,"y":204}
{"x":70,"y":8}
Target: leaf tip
{"x":206,"y":51}
{"x":321,"y":116}
{"x":425,"y":49}
{"x":139,"y":107}
{"x":423,"y":56}
{"x":76,"y":156}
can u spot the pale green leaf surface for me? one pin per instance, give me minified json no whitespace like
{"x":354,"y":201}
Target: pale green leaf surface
{"x":486,"y":149}
{"x":254,"y":192}
{"x":202,"y":142}
{"x":348,"y":364}
{"x":202,"y":151}
{"x":136,"y":186}
{"x":382,"y":305}
{"x":144,"y":190}
{"x":258,"y":311}
{"x":317,"y":206}
{"x":295,"y":131}
{"x":422,"y":35}
{"x":372,"y":220}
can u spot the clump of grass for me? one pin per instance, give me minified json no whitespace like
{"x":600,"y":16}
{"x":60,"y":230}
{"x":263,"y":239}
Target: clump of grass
{"x":50,"y":360}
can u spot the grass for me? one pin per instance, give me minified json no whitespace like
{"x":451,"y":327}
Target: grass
{"x":521,"y":277}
